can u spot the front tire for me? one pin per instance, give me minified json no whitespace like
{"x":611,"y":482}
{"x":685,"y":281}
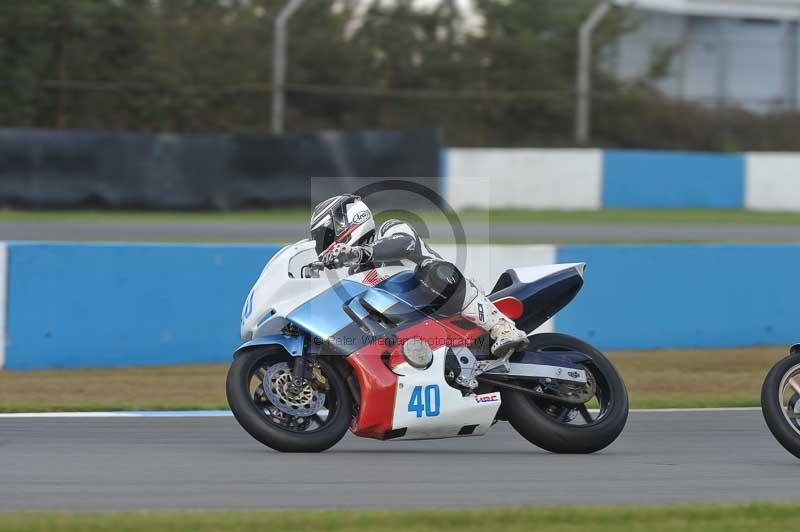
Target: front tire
{"x":271,"y":426}
{"x":780,"y":403}
{"x":548,"y":424}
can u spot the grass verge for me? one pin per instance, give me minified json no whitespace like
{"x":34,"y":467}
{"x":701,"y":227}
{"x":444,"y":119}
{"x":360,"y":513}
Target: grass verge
{"x":655,"y":379}
{"x":707,"y":518}
{"x":694,"y":378}
{"x":159,"y":388}
{"x":611,"y":216}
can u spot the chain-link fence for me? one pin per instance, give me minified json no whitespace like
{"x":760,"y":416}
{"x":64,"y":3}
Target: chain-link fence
{"x":502,"y":76}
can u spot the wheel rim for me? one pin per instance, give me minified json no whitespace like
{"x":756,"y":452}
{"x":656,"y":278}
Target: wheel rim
{"x":789,"y":397}
{"x":587,"y":414}
{"x":306,"y":410}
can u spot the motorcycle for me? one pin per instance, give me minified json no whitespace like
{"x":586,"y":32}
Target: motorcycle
{"x":780,"y":401}
{"x":367,"y":352}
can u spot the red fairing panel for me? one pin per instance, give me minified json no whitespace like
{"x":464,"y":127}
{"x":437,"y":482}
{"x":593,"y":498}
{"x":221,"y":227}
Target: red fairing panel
{"x":377,"y":386}
{"x":377,"y":383}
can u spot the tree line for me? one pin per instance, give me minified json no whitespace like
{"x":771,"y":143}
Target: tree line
{"x":499,"y":74}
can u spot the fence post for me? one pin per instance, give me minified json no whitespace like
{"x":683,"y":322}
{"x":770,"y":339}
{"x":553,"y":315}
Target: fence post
{"x":279,"y":65}
{"x":583,"y":110}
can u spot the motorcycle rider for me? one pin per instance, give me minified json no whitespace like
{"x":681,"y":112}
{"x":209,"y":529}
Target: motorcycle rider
{"x":345,"y":235}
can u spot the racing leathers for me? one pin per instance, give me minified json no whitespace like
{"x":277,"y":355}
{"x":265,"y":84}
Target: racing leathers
{"x":396,"y":242}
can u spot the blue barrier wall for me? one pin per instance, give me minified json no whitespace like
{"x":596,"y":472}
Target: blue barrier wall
{"x":596,"y":179}
{"x":96,"y":305}
{"x":641,"y":179}
{"x":662,"y":296}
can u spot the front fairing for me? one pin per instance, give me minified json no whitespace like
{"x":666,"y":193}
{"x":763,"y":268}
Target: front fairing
{"x":280,"y":288}
{"x":282,"y":295}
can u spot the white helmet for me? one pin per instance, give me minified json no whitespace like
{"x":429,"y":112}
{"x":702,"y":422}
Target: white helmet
{"x":342,"y":219}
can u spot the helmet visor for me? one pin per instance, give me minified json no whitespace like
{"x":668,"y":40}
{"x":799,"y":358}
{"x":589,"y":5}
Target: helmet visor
{"x":335,"y":222}
{"x":324,"y":236}
{"x":339,"y":215}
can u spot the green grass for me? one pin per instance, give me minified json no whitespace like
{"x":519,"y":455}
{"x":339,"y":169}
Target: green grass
{"x":695,"y":402}
{"x":706,"y":518}
{"x":155,"y":216}
{"x":636,"y":216}
{"x":613,"y":216}
{"x":497,"y":217}
{"x":110,"y":406}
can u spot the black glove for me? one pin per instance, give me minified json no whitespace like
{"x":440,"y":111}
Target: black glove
{"x":342,"y":255}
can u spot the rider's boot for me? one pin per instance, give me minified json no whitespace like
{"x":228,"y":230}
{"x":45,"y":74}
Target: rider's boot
{"x":482,"y":312}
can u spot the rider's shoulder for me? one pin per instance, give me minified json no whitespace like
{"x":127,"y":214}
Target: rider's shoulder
{"x":394,"y":226}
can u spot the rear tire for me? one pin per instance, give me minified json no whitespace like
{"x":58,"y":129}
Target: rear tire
{"x":772,"y":405}
{"x":257,"y":423}
{"x":530,"y":419}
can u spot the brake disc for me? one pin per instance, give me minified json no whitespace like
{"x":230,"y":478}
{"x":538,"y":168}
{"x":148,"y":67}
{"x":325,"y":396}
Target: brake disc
{"x":578,"y":392}
{"x":277,"y":385}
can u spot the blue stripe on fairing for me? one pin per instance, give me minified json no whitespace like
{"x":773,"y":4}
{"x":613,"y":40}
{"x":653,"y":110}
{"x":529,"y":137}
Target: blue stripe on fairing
{"x":323,"y":315}
{"x":683,"y":296}
{"x":642,"y":179}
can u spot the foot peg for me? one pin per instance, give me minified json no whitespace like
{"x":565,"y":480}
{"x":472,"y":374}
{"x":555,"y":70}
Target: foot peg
{"x":503,"y":348}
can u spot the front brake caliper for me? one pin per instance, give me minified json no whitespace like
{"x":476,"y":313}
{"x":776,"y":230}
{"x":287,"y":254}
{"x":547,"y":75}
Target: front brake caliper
{"x":319,"y":382}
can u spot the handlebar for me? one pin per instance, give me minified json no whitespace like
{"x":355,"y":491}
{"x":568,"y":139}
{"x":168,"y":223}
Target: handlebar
{"x":312,"y":269}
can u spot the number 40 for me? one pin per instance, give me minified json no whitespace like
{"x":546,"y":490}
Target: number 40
{"x":427,"y":402}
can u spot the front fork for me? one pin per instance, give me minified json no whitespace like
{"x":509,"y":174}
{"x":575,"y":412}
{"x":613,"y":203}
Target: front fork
{"x":299,"y":369}
{"x":306,"y":368}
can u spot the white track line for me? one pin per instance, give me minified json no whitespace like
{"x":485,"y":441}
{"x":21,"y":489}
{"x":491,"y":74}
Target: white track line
{"x":136,"y":414}
{"x":671,"y":410}
{"x":227,"y":413}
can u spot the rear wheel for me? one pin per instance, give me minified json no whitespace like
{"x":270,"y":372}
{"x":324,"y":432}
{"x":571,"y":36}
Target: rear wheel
{"x":561,"y":427}
{"x":780,"y":402}
{"x":311,"y":416}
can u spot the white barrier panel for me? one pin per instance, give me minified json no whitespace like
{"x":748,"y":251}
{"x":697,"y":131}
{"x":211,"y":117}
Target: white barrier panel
{"x":524,"y":178}
{"x":3,"y":301}
{"x":485,"y":263}
{"x":772,"y":181}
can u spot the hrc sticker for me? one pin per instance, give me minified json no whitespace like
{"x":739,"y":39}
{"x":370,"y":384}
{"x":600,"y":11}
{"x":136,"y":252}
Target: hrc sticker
{"x":488,"y":398}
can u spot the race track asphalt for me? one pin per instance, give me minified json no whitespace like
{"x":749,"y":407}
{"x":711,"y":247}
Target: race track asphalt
{"x":291,"y":231}
{"x":210,"y":463}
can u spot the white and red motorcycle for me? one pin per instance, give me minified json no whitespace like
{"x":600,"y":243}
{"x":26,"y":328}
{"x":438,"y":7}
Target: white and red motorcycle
{"x":323,"y":355}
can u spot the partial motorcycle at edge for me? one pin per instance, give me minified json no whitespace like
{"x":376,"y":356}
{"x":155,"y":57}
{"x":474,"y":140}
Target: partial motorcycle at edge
{"x":780,"y":401}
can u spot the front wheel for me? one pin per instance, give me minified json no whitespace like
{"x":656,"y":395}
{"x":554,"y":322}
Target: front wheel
{"x":780,"y":402}
{"x":308,"y":416}
{"x":569,"y":428}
